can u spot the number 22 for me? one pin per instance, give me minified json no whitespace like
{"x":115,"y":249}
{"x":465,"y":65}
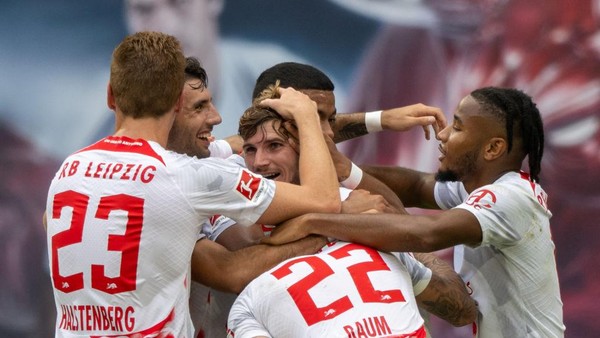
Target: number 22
{"x":359,"y":272}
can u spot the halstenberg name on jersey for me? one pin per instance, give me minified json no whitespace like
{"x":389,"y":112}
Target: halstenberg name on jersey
{"x":109,"y":171}
{"x":249,"y":185}
{"x":96,"y":318}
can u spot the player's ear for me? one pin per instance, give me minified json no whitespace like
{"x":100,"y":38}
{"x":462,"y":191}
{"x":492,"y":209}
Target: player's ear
{"x":495,"y":148}
{"x":179,"y":103}
{"x":110,"y":98}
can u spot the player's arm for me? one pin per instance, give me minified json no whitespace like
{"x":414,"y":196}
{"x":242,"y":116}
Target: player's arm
{"x":352,"y":177}
{"x":352,"y":125}
{"x":387,"y":232}
{"x":414,"y":188}
{"x":239,"y":236}
{"x":319,"y":189}
{"x":230,"y":271}
{"x":446,"y":295}
{"x":359,"y":201}
{"x":45,"y":221}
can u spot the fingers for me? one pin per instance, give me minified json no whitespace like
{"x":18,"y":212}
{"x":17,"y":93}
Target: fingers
{"x":427,"y":132}
{"x":289,"y":103}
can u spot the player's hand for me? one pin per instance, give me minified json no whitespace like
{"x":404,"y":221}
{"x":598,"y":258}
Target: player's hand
{"x":404,"y":118}
{"x":362,"y":201}
{"x":292,"y":104}
{"x":288,"y":231}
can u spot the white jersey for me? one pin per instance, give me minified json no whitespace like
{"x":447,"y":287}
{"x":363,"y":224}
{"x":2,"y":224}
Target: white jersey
{"x":346,"y":290}
{"x":512,"y":273}
{"x":123,"y":218}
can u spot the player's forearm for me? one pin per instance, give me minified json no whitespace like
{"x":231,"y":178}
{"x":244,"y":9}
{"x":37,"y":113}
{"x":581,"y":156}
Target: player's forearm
{"x":375,"y":186}
{"x":385,"y":232}
{"x":414,"y":188}
{"x":446,"y":295}
{"x":318,"y":176}
{"x":264,"y":257}
{"x":348,"y":126}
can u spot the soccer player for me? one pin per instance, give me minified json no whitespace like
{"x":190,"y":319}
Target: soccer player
{"x":123,"y":215}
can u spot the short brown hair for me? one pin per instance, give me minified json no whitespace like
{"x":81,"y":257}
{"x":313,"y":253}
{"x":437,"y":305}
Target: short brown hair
{"x":255,"y":116}
{"x":147,"y":74}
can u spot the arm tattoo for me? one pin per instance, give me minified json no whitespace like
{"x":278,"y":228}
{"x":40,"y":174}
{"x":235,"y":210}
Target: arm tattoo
{"x":350,"y":131}
{"x":450,"y":299}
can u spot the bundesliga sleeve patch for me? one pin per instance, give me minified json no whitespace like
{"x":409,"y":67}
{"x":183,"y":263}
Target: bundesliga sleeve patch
{"x":248,"y":184}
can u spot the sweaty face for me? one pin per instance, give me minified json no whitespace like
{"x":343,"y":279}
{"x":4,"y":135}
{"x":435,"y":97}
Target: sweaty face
{"x":269,"y":154}
{"x":462,"y":142}
{"x":326,"y":106}
{"x":191,"y":131}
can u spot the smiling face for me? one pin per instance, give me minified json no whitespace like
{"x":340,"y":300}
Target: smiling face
{"x":191,"y":131}
{"x":462,"y":142}
{"x":268,"y":153}
{"x":271,"y":154}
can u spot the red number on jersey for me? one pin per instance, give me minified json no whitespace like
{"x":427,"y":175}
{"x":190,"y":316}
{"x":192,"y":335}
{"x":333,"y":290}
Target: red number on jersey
{"x":299,"y":291}
{"x":128,"y":243}
{"x":359,"y":272}
{"x":73,"y":235}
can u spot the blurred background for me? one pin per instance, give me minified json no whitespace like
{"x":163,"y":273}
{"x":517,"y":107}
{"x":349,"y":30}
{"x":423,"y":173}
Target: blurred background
{"x":54,"y":66}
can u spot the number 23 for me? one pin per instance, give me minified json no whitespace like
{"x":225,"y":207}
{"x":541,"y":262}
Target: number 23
{"x":128,"y":243}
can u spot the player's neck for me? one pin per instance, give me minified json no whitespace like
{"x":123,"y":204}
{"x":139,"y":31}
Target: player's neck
{"x":150,"y":129}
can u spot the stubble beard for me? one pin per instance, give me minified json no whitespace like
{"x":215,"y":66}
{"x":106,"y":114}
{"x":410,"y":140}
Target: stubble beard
{"x":467,"y":169}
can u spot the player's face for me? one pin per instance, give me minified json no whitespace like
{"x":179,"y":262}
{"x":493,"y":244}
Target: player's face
{"x":326,"y":106}
{"x":191,"y":131}
{"x":269,"y":154}
{"x":461,"y":142}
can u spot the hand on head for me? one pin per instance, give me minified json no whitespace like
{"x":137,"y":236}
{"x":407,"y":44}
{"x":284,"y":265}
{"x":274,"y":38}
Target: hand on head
{"x":291,"y":104}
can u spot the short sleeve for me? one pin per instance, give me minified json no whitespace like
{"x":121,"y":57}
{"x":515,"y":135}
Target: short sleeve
{"x":420,"y":275}
{"x":504,"y":212}
{"x":241,"y":322}
{"x":216,"y":225}
{"x":222,"y":187}
{"x":449,"y":194}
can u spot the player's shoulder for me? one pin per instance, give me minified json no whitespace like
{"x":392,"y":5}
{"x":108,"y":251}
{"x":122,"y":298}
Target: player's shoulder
{"x":517,"y":185}
{"x":184,"y":162}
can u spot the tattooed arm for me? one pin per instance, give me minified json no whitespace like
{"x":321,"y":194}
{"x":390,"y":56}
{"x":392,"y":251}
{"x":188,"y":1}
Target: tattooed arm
{"x":446,"y":295}
{"x":352,"y":125}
